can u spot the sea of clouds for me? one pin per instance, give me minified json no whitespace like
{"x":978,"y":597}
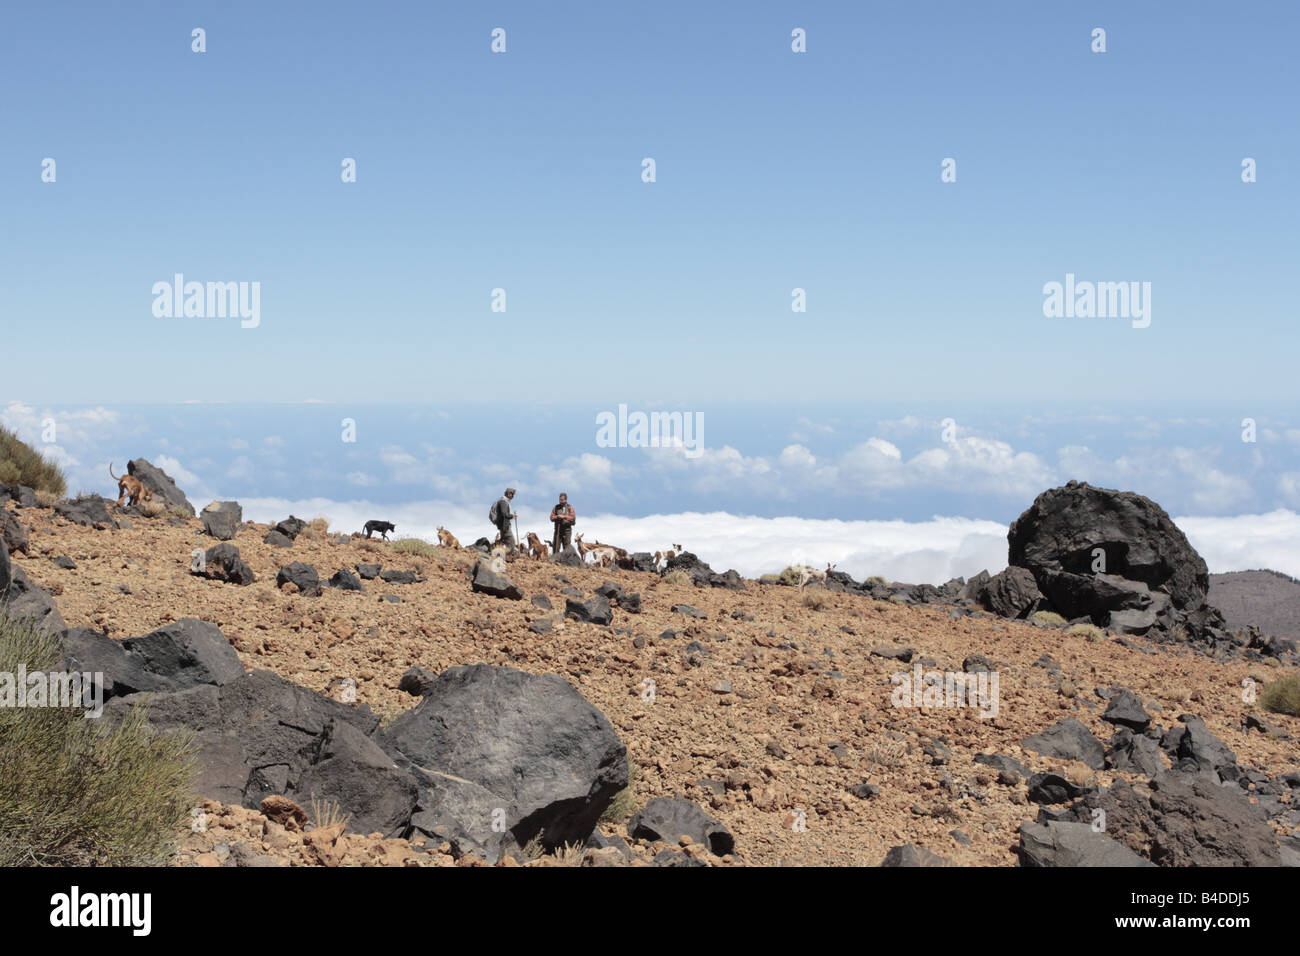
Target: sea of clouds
{"x":917,"y":552}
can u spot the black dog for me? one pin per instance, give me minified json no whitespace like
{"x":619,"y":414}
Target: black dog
{"x":383,"y":527}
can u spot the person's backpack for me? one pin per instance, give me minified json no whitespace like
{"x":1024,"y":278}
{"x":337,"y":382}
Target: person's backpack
{"x":494,"y":515}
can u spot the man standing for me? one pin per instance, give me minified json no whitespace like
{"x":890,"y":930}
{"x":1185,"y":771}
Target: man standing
{"x":501,"y":516}
{"x":562,"y":517}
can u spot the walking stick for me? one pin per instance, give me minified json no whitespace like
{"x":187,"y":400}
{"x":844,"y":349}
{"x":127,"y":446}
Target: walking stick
{"x":516,"y":517}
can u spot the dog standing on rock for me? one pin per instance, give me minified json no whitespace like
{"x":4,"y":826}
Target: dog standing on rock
{"x":383,"y":527}
{"x":130,"y":488}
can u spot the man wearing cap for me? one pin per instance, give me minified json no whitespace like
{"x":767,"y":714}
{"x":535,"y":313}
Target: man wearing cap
{"x":501,"y":516}
{"x":562,"y":517}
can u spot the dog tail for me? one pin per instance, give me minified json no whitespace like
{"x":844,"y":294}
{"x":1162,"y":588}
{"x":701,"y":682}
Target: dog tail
{"x":110,"y":471}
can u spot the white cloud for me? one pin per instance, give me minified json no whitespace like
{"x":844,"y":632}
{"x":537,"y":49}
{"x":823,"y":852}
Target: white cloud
{"x":1244,"y":542}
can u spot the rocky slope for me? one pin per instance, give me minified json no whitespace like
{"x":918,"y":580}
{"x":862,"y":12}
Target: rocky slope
{"x":769,"y":707}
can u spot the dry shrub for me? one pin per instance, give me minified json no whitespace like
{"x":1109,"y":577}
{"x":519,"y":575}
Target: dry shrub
{"x":82,"y":792}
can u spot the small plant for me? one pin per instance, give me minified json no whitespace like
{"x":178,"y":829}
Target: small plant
{"x":1047,"y":619}
{"x":877,"y":581}
{"x":789,"y":577}
{"x":624,"y":803}
{"x":416,"y":546}
{"x":326,"y":813}
{"x":1081,"y":775}
{"x":814,"y":598}
{"x":769,"y":579}
{"x":677,"y":576}
{"x":887,"y":753}
{"x":81,"y":792}
{"x":1282,"y":696}
{"x":1089,"y":632}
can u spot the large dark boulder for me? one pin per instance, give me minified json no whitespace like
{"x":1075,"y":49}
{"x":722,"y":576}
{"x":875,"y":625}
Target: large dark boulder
{"x":349,"y":768}
{"x":1098,"y":595}
{"x":222,"y":519}
{"x":164,"y":489}
{"x":261,"y":735}
{"x":668,"y":819}
{"x":497,"y":744}
{"x":1190,"y":819}
{"x":1011,"y":593}
{"x":1064,"y":526}
{"x":179,"y":655}
{"x":5,"y":573}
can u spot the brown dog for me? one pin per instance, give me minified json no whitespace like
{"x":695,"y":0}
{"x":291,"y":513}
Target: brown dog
{"x":130,"y":488}
{"x":447,"y":539}
{"x":537,"y":545}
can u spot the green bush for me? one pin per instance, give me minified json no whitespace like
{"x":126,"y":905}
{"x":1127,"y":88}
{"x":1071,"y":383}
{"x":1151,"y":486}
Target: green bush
{"x":417,"y":546}
{"x":1282,"y":696}
{"x":624,"y":803}
{"x":1048,"y":619}
{"x":877,"y":581}
{"x":677,"y":576}
{"x":788,"y":576}
{"x":76,"y":792}
{"x":20,"y":464}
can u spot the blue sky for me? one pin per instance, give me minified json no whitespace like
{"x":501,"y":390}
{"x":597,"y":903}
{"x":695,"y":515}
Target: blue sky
{"x":775,"y":171}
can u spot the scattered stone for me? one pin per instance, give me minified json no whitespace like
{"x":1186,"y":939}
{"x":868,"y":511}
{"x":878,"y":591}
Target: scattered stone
{"x":302,"y":576}
{"x":222,"y":563}
{"x":345,"y":580}
{"x":221,"y":519}
{"x":487,"y":581}
{"x":595,"y":611}
{"x":668,"y":819}
{"x":1126,"y":709}
{"x":1068,"y":740}
{"x":911,"y":855}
